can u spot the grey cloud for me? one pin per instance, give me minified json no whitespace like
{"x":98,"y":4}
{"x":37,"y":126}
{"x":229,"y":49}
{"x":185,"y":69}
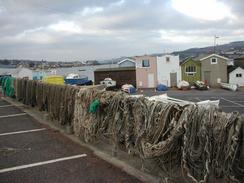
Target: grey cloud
{"x":122,"y":28}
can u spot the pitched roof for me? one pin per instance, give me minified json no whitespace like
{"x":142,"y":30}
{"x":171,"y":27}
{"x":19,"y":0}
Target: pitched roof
{"x":189,"y":58}
{"x":234,"y":68}
{"x":126,"y":59}
{"x":214,"y":55}
{"x":231,"y":68}
{"x":116,"y":69}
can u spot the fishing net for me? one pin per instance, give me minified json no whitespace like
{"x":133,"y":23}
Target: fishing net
{"x":57,"y":100}
{"x":194,"y":141}
{"x":7,"y":84}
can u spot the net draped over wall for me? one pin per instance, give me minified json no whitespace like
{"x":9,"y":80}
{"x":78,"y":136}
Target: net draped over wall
{"x":196,"y":142}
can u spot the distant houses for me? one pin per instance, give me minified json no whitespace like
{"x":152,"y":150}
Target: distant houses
{"x":211,"y":69}
{"x":154,"y":70}
{"x":148,"y":71}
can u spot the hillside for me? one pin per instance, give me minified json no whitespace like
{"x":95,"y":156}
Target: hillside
{"x":234,"y":48}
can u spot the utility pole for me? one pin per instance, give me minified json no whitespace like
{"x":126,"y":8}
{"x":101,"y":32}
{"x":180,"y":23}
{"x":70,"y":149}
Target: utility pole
{"x":215,"y":38}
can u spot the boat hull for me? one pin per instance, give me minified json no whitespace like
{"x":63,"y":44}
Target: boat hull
{"x":81,"y":81}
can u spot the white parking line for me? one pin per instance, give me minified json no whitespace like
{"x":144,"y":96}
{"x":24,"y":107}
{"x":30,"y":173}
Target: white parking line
{"x":232,"y":106}
{"x":240,"y":105}
{"x":13,"y":115}
{"x":41,"y":163}
{"x":25,"y":131}
{"x":3,"y":106}
{"x":11,"y":105}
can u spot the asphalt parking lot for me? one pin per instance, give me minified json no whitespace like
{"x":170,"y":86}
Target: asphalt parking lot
{"x":229,"y":101}
{"x":33,"y":152}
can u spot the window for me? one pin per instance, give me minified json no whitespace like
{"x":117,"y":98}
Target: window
{"x":167,"y":59}
{"x":145,"y":63}
{"x":214,"y":61}
{"x":239,"y":75}
{"x":191,"y":69}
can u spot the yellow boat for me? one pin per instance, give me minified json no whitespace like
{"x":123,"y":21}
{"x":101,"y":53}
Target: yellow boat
{"x":54,"y":79}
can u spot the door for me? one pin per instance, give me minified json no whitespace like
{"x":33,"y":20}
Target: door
{"x":207,"y":77}
{"x":150,"y":78}
{"x":173,"y":79}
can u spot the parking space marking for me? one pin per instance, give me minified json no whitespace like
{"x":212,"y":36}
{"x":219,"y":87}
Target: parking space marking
{"x":11,"y":105}
{"x":41,"y":163}
{"x":232,"y":106}
{"x":13,"y":115}
{"x":3,"y":106}
{"x":20,"y":132}
{"x":240,"y":105}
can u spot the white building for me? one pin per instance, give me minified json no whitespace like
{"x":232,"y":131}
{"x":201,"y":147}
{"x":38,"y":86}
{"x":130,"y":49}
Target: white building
{"x":237,"y":76}
{"x":168,"y":70}
{"x":22,"y":72}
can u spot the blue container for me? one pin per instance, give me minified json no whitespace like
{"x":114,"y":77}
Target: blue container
{"x":162,"y":87}
{"x":132,"y":90}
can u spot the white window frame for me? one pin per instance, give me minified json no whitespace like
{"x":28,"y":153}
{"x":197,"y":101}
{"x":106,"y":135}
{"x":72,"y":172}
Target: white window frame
{"x":148,"y":62}
{"x":191,"y":73}
{"x":214,"y":62}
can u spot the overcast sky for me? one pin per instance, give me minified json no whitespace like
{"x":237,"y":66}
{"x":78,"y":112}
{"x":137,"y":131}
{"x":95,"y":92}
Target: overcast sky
{"x":99,"y":29}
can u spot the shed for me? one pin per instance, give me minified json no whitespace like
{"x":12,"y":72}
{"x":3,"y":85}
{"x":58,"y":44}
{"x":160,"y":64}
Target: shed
{"x":122,"y":75}
{"x":236,"y":76}
{"x":191,"y":70}
{"x":146,"y":71}
{"x":22,"y":72}
{"x":214,"y":69}
{"x":168,"y":70}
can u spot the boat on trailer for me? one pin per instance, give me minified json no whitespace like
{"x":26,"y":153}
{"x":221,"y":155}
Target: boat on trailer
{"x":76,"y":79}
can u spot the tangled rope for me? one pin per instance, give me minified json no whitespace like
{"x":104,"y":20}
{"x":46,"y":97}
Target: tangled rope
{"x":201,"y":142}
{"x":57,"y":100}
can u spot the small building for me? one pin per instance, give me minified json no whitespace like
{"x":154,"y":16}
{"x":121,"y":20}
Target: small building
{"x":168,"y":70}
{"x":214,"y":69}
{"x":23,"y":72}
{"x":38,"y":75}
{"x":191,"y":70}
{"x":236,"y":76}
{"x":122,"y":75}
{"x":146,"y":71}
